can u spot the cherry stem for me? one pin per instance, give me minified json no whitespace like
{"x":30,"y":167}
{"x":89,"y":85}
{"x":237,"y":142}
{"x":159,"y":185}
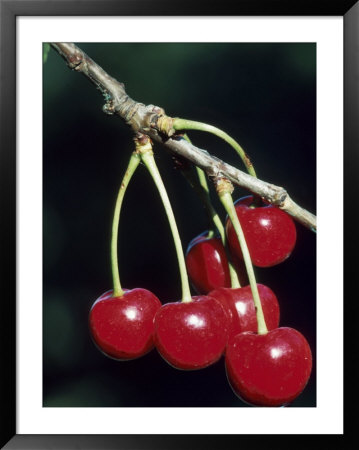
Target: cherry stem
{"x":218,"y":224}
{"x":211,"y":233}
{"x":132,"y":166}
{"x":184,"y":124}
{"x":201,"y":186}
{"x":227,"y":201}
{"x":145,"y":150}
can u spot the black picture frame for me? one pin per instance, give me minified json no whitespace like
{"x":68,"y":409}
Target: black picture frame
{"x":9,"y":10}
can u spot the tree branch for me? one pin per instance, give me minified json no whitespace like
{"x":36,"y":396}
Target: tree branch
{"x":146,"y":119}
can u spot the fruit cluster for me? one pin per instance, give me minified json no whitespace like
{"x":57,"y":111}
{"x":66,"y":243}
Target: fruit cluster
{"x":266,"y":365}
{"x":269,"y":369}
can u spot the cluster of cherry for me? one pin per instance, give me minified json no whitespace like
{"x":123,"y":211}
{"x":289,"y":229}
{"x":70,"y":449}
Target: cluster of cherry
{"x":269,"y":368}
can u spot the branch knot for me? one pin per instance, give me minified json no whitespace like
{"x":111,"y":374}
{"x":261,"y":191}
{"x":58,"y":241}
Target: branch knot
{"x":164,"y":124}
{"x":223,"y":185}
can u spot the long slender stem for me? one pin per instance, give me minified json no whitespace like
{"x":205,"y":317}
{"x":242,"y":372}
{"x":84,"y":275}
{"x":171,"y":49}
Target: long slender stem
{"x":184,"y":124}
{"x":201,"y":186}
{"x":226,"y":199}
{"x":235,"y":283}
{"x":149,"y":161}
{"x":132,"y":165}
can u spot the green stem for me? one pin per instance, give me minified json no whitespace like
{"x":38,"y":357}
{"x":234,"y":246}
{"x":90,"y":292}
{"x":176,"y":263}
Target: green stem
{"x":149,"y":161}
{"x":211,"y":233}
{"x":184,"y":124}
{"x":132,"y":165}
{"x":226,"y":199}
{"x":202,"y":189}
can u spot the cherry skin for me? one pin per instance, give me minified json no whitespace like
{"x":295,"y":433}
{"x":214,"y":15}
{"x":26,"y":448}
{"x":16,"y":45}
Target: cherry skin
{"x":239,"y":306}
{"x":270,"y":233}
{"x":191,"y":335}
{"x":122,"y":327}
{"x":207,"y":264}
{"x":268,"y":369}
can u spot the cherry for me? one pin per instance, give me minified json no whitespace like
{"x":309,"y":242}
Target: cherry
{"x":207,"y":264}
{"x":240,"y":308}
{"x":269,"y":369}
{"x":270,"y":232}
{"x":191,"y":335}
{"x":122,"y":327}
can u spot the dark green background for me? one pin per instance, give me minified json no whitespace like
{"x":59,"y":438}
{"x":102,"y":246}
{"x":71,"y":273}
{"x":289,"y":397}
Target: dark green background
{"x":264,"y":95}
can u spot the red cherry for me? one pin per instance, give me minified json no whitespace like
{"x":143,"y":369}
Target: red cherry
{"x":268,"y":369}
{"x":239,"y":305}
{"x":270,"y":233}
{"x":191,"y":335}
{"x":122,"y":327}
{"x":207,"y":264}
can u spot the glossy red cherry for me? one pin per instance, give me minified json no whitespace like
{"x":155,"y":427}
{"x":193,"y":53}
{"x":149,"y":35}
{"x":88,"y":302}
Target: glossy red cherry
{"x":239,"y":305}
{"x":207,"y":264}
{"x":191,"y":335}
{"x":122,"y":327}
{"x":268,"y":369}
{"x":270,"y":233}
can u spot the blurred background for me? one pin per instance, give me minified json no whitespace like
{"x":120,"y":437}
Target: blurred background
{"x":264,"y":95}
